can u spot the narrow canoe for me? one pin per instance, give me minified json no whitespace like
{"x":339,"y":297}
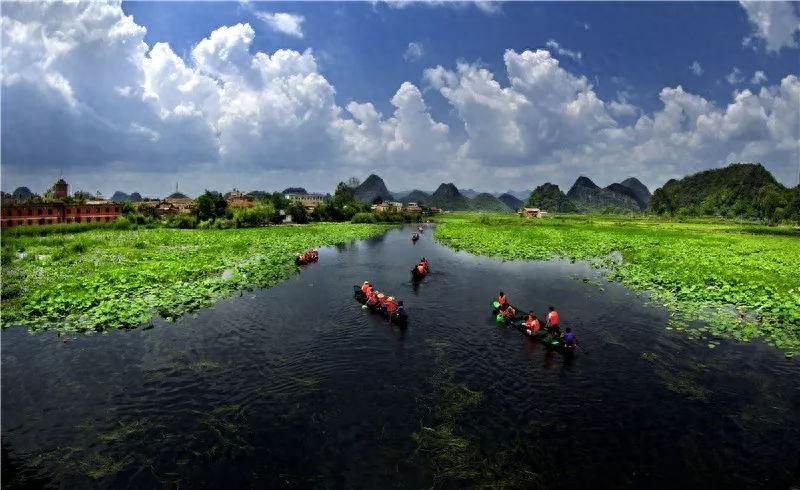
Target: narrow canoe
{"x":519,"y":323}
{"x":416,"y":275}
{"x":399,"y":317}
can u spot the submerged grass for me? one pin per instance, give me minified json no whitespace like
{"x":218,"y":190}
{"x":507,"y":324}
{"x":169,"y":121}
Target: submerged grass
{"x":454,"y":456}
{"x":742,"y":280}
{"x":105,"y":279}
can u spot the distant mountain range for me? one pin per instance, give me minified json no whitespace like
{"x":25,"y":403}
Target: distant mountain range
{"x":120,"y":196}
{"x":584,"y":196}
{"x":588,"y":197}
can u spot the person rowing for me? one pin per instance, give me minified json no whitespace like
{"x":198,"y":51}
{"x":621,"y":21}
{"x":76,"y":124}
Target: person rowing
{"x":372,"y":297}
{"x":569,"y":338}
{"x":532,"y":324}
{"x":391,"y":305}
{"x":382,"y":300}
{"x":503,"y":300}
{"x":421,"y":269}
{"x":366,"y":287}
{"x":509,"y":312}
{"x":425,"y":263}
{"x":552,"y":322}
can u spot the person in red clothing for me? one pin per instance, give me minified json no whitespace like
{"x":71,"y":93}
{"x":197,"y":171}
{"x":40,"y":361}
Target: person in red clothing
{"x":421,"y":268}
{"x":372,"y":297}
{"x":532,"y":324}
{"x":391,"y":305}
{"x":552,"y":322}
{"x":503,"y":300}
{"x":382,"y":300}
{"x":425,"y":263}
{"x":365,"y":287}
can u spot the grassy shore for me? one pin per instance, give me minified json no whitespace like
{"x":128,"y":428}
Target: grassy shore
{"x":98,"y":280}
{"x":742,"y":278}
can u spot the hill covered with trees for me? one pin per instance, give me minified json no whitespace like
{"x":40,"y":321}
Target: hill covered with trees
{"x":738,"y":190}
{"x":551,"y":198}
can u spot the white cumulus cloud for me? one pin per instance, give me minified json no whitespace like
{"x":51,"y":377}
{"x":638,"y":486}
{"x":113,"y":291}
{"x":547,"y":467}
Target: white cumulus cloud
{"x":758,"y":78}
{"x":777,"y":23}
{"x":414,"y":52}
{"x":290,"y":24}
{"x":88,"y":95}
{"x":735,"y":76}
{"x":575,"y":55}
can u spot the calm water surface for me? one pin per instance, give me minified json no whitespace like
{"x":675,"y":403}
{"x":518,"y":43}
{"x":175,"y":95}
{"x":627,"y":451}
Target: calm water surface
{"x":297,"y":387}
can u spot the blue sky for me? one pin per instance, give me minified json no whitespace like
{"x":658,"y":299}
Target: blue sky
{"x":601,"y":97}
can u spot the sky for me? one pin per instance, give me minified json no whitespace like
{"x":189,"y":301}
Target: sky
{"x":147,"y":96}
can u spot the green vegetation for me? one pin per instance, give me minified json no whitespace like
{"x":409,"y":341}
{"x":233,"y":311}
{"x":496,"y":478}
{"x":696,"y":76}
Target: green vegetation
{"x":550,"y":198}
{"x":455,"y":457}
{"x":741,"y":278}
{"x":105,"y":279}
{"x":487,"y":202}
{"x":742,"y":189}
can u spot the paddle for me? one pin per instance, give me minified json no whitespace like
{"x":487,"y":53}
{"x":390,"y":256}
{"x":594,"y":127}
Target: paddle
{"x":584,"y":350}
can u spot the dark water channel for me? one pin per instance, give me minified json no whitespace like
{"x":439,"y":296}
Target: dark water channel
{"x":297,"y":387}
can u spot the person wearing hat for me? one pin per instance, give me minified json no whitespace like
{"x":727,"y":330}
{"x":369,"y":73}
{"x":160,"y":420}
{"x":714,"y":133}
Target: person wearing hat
{"x":372,"y":297}
{"x":365,"y":287}
{"x":382,"y":300}
{"x":391,"y":305}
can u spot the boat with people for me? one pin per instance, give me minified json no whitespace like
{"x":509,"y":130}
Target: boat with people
{"x":419,"y":271}
{"x":306,"y":257}
{"x":397,"y":317}
{"x":414,"y":237}
{"x":518,"y":321}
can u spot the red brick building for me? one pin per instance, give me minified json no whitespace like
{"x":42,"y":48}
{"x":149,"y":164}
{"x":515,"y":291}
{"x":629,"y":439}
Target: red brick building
{"x":57,"y":212}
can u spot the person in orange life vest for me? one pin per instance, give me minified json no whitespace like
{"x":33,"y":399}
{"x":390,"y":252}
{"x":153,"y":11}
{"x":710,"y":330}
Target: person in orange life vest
{"x":503,"y":300}
{"x":424,"y":262}
{"x":552,"y":321}
{"x":315,"y":253}
{"x":421,"y":268}
{"x":372,"y":297}
{"x":391,"y":305}
{"x":532,"y":324}
{"x":381,"y":300}
{"x":365,"y":287}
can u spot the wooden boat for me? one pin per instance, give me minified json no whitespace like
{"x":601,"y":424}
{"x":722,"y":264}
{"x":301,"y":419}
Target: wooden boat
{"x":300,"y":261}
{"x":399,"y":317}
{"x":518,"y":322}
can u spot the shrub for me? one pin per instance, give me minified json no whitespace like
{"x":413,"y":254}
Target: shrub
{"x":363,"y":218}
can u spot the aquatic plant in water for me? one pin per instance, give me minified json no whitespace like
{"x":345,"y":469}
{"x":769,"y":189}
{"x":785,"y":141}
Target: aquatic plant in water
{"x":741,"y":280}
{"x":105,"y":279}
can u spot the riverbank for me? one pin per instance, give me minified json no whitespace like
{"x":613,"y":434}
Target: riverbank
{"x":740,"y":279}
{"x":100,"y":280}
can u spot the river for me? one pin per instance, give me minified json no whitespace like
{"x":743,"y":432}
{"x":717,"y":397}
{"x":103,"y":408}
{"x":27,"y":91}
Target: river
{"x":296,"y":386}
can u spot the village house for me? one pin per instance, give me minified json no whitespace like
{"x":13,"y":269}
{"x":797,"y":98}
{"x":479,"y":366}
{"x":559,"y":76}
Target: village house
{"x":238,"y":199}
{"x":182,"y":203}
{"x":48,"y":213}
{"x":412,"y":207}
{"x":310,"y":201}
{"x":532,"y":213}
